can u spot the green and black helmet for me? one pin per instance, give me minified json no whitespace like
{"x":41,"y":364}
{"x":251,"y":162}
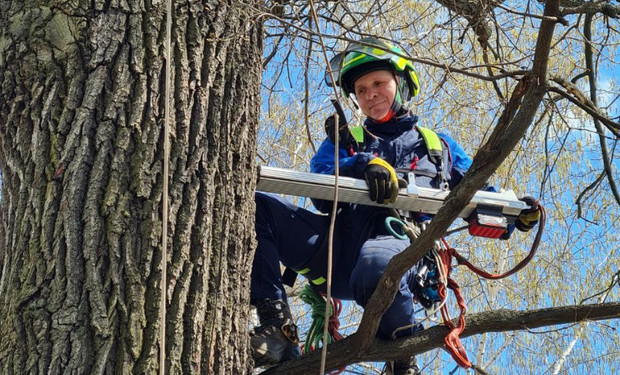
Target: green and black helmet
{"x":367,"y":55}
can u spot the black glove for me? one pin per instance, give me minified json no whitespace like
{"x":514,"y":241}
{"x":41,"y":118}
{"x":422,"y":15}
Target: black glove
{"x":382,"y":181}
{"x":345,"y":138}
{"x":529,"y":217}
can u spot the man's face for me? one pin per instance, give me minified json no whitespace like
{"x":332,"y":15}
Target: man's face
{"x":375,"y":93}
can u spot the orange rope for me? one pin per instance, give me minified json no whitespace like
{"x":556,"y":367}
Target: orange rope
{"x":543,"y":218}
{"x":334,"y":321}
{"x":452,"y":340}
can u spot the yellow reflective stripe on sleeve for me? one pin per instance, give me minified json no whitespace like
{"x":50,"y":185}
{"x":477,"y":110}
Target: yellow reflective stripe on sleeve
{"x":304,"y":271}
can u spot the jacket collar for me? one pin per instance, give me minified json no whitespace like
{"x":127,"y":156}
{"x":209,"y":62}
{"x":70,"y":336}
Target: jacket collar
{"x":398,"y":124}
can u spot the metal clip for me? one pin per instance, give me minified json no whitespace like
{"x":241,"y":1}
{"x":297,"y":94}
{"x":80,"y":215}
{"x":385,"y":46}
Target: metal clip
{"x":412,"y":188}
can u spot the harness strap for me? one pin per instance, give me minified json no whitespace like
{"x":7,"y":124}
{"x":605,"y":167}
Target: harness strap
{"x":433,"y":144}
{"x":437,"y":153}
{"x":358,"y":134}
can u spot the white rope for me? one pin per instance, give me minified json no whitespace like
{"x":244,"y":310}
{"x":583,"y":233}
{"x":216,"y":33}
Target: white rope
{"x":164,"y":230}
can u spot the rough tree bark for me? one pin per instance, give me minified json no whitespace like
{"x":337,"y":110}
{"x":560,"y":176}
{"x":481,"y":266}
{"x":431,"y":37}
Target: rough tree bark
{"x":81,"y":123}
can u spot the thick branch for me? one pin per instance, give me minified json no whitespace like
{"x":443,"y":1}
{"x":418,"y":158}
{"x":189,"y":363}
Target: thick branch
{"x":592,"y":111}
{"x":511,"y":127}
{"x":592,"y":7}
{"x":341,"y":353}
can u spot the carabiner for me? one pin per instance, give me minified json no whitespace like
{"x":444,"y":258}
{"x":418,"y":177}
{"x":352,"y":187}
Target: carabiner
{"x":388,"y":225}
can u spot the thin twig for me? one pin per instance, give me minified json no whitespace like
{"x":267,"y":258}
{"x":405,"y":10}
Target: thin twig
{"x":307,"y":92}
{"x":531,"y":15}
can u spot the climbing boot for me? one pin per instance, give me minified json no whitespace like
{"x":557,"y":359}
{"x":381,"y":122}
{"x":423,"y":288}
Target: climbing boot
{"x":409,"y":367}
{"x":275,"y":340}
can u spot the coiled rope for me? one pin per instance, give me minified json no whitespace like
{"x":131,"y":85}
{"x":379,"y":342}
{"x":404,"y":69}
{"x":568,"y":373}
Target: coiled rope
{"x":316,"y":333}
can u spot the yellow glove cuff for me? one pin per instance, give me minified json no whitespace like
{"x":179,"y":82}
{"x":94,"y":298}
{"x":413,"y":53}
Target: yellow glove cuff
{"x":530,"y":216}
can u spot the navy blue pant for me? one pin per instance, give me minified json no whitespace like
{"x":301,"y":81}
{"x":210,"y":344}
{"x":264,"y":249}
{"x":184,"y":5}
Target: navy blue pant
{"x":292,"y":235}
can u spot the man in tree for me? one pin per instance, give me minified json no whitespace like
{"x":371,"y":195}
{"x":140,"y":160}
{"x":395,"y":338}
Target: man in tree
{"x":382,"y":82}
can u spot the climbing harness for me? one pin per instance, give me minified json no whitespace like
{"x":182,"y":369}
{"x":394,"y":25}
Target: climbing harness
{"x":443,"y":254}
{"x":438,"y":154}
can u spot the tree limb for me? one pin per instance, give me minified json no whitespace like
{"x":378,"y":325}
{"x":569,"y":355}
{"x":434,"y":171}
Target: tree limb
{"x":581,"y":196}
{"x":593,"y":7}
{"x":531,"y":15}
{"x":342,"y":353}
{"x":477,"y":13}
{"x":307,"y":33}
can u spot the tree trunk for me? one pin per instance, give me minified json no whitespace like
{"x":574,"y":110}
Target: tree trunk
{"x":81,"y":154}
